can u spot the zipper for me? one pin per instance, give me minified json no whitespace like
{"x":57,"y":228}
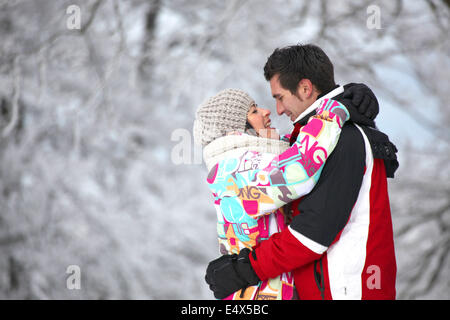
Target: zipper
{"x":319,"y":278}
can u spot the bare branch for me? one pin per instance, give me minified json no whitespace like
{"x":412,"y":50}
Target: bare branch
{"x":429,"y":216}
{"x":15,"y":99}
{"x":91,"y":18}
{"x":441,"y":250}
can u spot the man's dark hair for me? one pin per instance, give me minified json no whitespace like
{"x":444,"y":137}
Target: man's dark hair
{"x":294,"y":63}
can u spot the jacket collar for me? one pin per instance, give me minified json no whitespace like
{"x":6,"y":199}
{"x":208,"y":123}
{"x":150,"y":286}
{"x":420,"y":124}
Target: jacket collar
{"x":234,"y":146}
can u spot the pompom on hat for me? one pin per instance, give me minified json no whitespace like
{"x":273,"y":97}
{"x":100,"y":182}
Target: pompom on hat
{"x":223,"y":113}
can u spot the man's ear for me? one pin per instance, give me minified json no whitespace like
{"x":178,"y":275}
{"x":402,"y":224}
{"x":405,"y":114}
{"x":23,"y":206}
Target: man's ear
{"x":305,"y":89}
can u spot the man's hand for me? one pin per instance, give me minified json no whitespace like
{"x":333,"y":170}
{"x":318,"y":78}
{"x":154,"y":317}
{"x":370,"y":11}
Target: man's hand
{"x":361,"y":103}
{"x":229,"y":273}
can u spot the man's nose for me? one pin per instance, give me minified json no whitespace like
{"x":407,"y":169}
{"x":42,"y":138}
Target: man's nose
{"x":280,"y":109}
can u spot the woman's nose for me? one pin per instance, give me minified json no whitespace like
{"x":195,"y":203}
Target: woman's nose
{"x":265,"y":112}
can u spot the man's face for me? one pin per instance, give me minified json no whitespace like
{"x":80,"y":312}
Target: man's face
{"x":288,"y":103}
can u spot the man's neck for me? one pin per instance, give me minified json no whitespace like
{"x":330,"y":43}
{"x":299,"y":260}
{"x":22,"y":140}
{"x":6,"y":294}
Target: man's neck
{"x":325,"y":92}
{"x":312,"y":108}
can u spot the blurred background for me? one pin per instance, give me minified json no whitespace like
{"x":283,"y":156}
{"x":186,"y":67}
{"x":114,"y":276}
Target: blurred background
{"x":98,"y":169}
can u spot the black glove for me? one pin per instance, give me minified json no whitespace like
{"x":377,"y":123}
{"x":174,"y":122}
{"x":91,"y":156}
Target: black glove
{"x":229,"y":273}
{"x":361,"y":103}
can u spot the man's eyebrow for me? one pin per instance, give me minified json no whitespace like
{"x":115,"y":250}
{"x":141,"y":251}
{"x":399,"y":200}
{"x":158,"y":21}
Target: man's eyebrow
{"x":277,"y":95}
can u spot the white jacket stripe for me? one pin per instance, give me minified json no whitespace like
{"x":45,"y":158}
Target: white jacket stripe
{"x":346,"y":257}
{"x":310,"y":244}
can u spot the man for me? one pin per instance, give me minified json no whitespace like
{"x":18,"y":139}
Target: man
{"x":340,"y":242}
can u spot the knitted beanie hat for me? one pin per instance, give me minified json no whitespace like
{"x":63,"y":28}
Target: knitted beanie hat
{"x":223,"y":113}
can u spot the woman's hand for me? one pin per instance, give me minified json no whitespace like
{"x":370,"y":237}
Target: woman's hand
{"x":269,"y":133}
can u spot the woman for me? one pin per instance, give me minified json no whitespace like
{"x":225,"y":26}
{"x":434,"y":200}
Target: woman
{"x":252,"y":173}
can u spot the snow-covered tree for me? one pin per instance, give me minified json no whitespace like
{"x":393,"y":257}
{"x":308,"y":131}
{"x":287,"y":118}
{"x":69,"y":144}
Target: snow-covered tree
{"x":95,"y":96}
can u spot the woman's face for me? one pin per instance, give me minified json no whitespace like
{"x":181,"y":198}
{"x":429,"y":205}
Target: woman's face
{"x":259,"y":118}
